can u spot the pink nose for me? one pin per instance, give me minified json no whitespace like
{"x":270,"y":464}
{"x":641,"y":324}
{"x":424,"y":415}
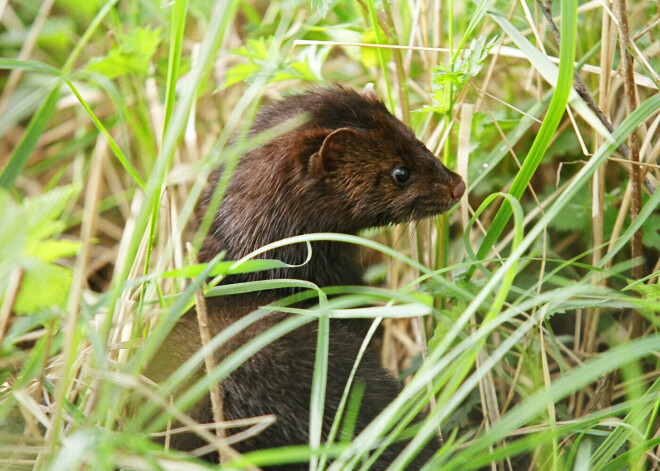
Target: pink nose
{"x":458,"y":189}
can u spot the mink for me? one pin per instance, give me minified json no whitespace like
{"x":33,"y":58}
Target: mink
{"x":350,"y":166}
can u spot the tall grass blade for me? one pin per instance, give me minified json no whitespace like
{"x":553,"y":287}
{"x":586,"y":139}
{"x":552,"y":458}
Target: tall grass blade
{"x":549,"y":126}
{"x":178,"y":20}
{"x":28,"y":143}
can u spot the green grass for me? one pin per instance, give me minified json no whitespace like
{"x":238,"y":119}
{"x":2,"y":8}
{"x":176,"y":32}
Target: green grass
{"x":528,"y":340}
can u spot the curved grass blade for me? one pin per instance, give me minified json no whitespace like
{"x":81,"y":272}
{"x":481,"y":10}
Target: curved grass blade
{"x":437,"y":357}
{"x":548,"y":128}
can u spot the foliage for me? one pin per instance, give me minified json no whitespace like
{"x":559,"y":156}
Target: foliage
{"x":448,"y":81}
{"x":132,"y":54}
{"x":528,"y":341}
{"x":27,"y":244}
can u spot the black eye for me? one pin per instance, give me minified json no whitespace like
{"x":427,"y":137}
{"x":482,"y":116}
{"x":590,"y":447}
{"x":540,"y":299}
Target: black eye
{"x":401,"y":175}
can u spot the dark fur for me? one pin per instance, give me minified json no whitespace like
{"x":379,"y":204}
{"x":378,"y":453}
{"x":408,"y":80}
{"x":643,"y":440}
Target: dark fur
{"x":277,"y":192}
{"x":332,"y":174}
{"x":278,"y":380}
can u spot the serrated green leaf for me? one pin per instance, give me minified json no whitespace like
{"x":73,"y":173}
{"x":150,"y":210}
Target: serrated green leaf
{"x":471,"y":60}
{"x":117,"y":64}
{"x":448,"y":81}
{"x":40,"y":213}
{"x":43,"y":285}
{"x":441,"y":99}
{"x":650,"y":292}
{"x":26,"y":244}
{"x":440,"y":329}
{"x":239,"y":73}
{"x":651,"y":232}
{"x":442,"y":77}
{"x":132,"y":54}
{"x":303,"y":70}
{"x":255,"y":49}
{"x":49,"y":250}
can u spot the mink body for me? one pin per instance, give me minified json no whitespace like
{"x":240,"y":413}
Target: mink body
{"x":351,"y":166}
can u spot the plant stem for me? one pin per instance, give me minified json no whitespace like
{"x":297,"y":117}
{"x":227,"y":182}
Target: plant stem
{"x":633,"y":144}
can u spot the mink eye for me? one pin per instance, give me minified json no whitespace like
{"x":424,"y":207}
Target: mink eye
{"x":401,"y":175}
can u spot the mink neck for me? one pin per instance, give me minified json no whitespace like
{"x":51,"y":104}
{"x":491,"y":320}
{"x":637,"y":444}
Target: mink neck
{"x":330,"y":263}
{"x":240,"y":231}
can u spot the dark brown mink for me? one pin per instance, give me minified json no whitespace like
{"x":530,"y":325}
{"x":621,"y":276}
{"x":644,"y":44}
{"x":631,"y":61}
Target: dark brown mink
{"x":351,"y":166}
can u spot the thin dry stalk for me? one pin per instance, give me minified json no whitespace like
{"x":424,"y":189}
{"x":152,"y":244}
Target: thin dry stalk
{"x":633,"y":144}
{"x":488,"y":393}
{"x":188,"y":423}
{"x":90,"y":215}
{"x":462,"y":157}
{"x":592,"y":317}
{"x":9,"y":299}
{"x":209,"y":362}
{"x":398,"y":61}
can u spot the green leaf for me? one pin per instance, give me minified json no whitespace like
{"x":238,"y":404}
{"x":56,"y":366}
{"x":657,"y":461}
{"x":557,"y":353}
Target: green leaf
{"x":576,"y":215}
{"x":178,"y":20}
{"x":239,"y":73}
{"x":43,"y":285}
{"x":448,"y":81}
{"x":29,"y":65}
{"x":650,"y":292}
{"x":26,"y":243}
{"x":81,"y":11}
{"x":306,"y":65}
{"x":471,"y":60}
{"x":255,"y":48}
{"x":651,"y":232}
{"x":132,"y":54}
{"x":49,"y":250}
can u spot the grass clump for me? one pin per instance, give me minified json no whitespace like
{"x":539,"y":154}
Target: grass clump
{"x":525,"y":322}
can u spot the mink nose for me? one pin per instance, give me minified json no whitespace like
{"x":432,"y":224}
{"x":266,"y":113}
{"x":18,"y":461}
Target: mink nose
{"x":458,"y":189}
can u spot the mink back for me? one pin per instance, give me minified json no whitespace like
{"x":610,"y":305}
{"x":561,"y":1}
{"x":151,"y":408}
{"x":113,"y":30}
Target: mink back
{"x":332,"y":108}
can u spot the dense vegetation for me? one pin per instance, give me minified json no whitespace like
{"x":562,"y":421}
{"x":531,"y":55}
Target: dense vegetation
{"x":527,"y":319}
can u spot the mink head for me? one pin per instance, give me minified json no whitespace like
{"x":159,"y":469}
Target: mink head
{"x":357,"y":163}
{"x":350,"y":166}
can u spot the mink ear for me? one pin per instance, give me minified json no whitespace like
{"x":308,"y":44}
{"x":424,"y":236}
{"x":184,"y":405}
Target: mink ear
{"x":370,"y":92}
{"x":332,"y":150}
